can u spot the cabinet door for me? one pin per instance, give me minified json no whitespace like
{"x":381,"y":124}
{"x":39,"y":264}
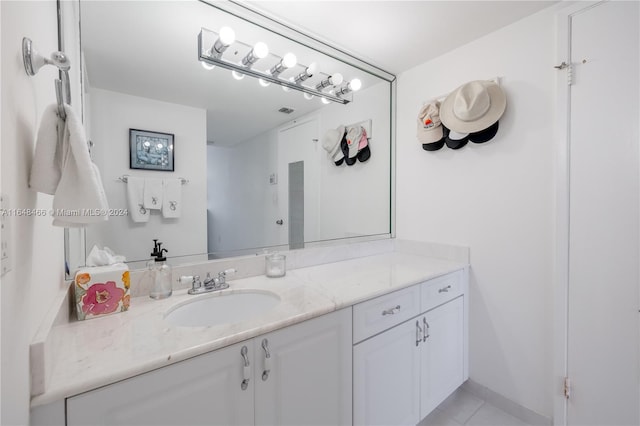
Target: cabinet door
{"x":309,"y":377}
{"x":202,"y":390}
{"x":442,"y":354}
{"x":386,"y":378}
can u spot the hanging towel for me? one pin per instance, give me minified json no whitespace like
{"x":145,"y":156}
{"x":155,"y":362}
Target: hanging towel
{"x":135,"y":191}
{"x":46,"y":167}
{"x":80,"y":189}
{"x":153,"y":193}
{"x":172,"y":198}
{"x":62,"y":167}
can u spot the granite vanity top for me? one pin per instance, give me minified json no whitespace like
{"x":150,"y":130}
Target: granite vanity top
{"x":100,"y":351}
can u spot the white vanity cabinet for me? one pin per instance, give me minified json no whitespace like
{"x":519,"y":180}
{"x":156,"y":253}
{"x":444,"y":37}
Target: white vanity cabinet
{"x":405,"y":370}
{"x":308,"y":382}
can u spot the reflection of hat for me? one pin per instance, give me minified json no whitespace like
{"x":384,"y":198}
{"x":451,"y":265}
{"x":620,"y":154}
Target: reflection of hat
{"x":484,"y":135}
{"x":455,"y":140}
{"x":354,"y":134}
{"x":429,"y":127}
{"x":364,"y":152}
{"x":474,"y":106}
{"x":331,"y":143}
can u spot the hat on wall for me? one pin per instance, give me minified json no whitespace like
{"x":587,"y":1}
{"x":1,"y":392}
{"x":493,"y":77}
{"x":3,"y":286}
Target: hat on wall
{"x":484,"y":135}
{"x":429,"y":131}
{"x":473,"y":107}
{"x":456,"y":140}
{"x":364,"y":152}
{"x":354,"y":134}
{"x":331,"y":144}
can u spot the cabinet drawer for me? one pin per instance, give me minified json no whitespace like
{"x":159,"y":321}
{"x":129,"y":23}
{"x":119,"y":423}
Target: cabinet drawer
{"x":440,"y":290}
{"x":382,"y":313}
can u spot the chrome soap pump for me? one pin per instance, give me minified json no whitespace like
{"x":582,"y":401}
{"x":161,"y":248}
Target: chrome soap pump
{"x":159,"y":272}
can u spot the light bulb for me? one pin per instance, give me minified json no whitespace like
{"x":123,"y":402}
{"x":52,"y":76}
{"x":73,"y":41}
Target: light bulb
{"x":289,"y":60}
{"x":237,"y":75}
{"x":308,"y":96}
{"x":263,"y":82}
{"x":227,"y":35}
{"x":286,"y":88}
{"x":207,"y":66}
{"x":336,"y":79}
{"x":261,"y":50}
{"x":355,"y":84}
{"x":325,"y":101}
{"x":311,"y":69}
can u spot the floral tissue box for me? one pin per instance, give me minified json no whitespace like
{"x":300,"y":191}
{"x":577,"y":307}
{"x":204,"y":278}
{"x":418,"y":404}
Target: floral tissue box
{"x":101,"y":290}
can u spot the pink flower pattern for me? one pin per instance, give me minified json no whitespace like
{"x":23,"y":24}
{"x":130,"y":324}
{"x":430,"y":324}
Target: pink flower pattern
{"x":102,"y":298}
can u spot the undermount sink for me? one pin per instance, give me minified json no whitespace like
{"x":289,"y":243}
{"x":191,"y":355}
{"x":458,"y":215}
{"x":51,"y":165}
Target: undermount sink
{"x":221,"y":308}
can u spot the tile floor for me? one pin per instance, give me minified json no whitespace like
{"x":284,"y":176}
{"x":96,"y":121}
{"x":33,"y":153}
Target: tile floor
{"x":464,"y":408}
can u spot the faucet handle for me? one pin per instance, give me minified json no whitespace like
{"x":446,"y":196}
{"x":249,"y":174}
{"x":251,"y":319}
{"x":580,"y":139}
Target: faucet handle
{"x":196,"y":283}
{"x":208,"y":281}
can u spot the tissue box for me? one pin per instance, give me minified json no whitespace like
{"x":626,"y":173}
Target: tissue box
{"x":101,"y":290}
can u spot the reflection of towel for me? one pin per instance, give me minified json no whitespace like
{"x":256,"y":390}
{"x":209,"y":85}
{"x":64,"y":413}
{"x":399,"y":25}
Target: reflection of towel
{"x":172,"y":199}
{"x":135,"y":190}
{"x":153,"y":193}
{"x":62,"y":166}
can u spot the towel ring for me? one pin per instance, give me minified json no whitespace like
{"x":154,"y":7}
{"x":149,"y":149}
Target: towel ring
{"x":33,"y":61}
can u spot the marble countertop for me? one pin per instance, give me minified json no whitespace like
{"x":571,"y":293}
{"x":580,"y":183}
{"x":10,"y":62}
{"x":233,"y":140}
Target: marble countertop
{"x":101,"y":351}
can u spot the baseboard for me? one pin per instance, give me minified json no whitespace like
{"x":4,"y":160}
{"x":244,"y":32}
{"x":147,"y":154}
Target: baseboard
{"x":505,"y":404}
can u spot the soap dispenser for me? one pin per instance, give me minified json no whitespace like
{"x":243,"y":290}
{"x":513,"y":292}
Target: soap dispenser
{"x":159,"y":272}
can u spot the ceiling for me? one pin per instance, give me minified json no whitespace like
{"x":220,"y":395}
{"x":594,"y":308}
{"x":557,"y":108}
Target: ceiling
{"x":397,"y":35}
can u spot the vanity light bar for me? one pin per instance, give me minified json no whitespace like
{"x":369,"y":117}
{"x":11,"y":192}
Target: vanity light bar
{"x":207,"y":38}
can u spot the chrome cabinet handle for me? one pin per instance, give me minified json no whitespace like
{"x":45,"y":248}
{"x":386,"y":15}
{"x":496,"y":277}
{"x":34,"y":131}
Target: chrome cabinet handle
{"x":445,"y":289}
{"x":425,"y":329}
{"x":279,"y":222}
{"x":267,"y":360}
{"x":246,"y":369}
{"x":418,"y":333}
{"x":391,"y":311}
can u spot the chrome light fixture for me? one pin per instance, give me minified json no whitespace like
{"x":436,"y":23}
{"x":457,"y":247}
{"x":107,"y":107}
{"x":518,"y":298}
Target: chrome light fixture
{"x":352,"y":86}
{"x":284,"y":71}
{"x":332,"y":80}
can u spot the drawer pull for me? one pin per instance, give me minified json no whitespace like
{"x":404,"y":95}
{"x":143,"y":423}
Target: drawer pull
{"x":391,"y":311}
{"x":425,"y":329}
{"x":246,"y":370}
{"x":418,"y":333}
{"x":267,"y":360}
{"x":445,"y":289}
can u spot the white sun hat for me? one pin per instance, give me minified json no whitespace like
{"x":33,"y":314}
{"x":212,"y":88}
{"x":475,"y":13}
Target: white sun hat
{"x":474,"y":106}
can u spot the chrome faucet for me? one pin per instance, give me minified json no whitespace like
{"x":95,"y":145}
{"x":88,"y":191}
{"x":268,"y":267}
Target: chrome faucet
{"x":210,"y":284}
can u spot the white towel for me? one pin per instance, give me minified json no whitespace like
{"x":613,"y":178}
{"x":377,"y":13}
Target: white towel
{"x":46,"y":167}
{"x":67,"y":171}
{"x":135,"y":191}
{"x":172,"y":198}
{"x":153,"y":193}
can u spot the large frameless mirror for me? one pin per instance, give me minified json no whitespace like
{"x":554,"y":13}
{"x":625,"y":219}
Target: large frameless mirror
{"x":250,"y":163}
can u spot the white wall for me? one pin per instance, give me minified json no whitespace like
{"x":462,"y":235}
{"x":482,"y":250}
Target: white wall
{"x":112,"y":115}
{"x":497,"y":198}
{"x":37,"y":274}
{"x":349,"y":197}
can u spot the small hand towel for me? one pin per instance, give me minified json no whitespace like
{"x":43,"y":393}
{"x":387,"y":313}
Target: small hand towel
{"x":172,"y":198}
{"x":153,"y":193}
{"x":135,"y":191}
{"x":79,"y":197}
{"x":46,"y":167}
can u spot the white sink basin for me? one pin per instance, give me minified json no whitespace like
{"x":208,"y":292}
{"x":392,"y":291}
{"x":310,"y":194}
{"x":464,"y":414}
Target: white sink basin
{"x":221,"y":308}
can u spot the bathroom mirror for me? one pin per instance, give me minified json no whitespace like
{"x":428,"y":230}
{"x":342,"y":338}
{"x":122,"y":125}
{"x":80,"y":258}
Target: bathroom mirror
{"x":249,"y":158}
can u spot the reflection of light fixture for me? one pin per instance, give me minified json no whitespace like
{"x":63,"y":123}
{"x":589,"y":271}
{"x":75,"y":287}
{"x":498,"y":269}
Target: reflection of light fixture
{"x":207,"y":66}
{"x":308,"y":96}
{"x":308,"y":72}
{"x":332,"y":80}
{"x":352,"y":86}
{"x":325,"y":101}
{"x":226,"y":37}
{"x":147,"y":144}
{"x":259,"y":51}
{"x":237,"y":75}
{"x":171,"y":147}
{"x":286,"y":88}
{"x":263,"y":82}
{"x":159,"y":146}
{"x":288,"y":61}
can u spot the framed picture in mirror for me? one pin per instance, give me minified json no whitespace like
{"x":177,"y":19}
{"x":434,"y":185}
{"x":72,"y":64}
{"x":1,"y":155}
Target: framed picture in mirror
{"x":151,"y":150}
